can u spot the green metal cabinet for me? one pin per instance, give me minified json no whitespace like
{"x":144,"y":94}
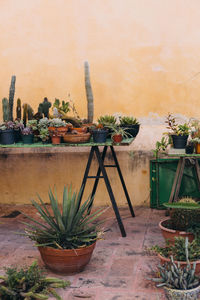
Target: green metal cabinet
{"x":162,"y":172}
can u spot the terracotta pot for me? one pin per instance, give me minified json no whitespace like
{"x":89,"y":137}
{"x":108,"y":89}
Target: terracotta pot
{"x":67,"y":261}
{"x":170,"y":234}
{"x":117,"y":138}
{"x":79,"y":130}
{"x":164,"y":260}
{"x":197,"y":148}
{"x":173,"y":294}
{"x":55,"y":140}
{"x":77,"y":138}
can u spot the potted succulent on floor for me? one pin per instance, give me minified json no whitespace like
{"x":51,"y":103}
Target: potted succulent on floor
{"x":29,"y":283}
{"x":27,"y":135}
{"x":57,"y":128}
{"x":7,"y":133}
{"x":184,"y":218}
{"x":179,"y":250}
{"x":67,"y":237}
{"x":180,"y":283}
{"x":178,"y":132}
{"x":130,"y":124}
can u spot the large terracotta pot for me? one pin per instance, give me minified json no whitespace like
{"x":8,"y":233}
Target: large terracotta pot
{"x":170,"y":234}
{"x":55,"y":139}
{"x":164,"y":260}
{"x":173,"y":294}
{"x":67,"y":261}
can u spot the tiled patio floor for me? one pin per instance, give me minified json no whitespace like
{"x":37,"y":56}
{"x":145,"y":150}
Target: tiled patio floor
{"x":119,"y":266}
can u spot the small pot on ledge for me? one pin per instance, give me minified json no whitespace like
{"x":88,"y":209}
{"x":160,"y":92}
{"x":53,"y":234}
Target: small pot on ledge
{"x":117,"y":138}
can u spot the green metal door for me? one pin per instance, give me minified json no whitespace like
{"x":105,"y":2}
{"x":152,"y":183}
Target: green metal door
{"x":162,"y":172}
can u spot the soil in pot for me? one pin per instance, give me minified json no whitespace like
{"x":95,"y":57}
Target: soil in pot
{"x":27,"y":139}
{"x":169,"y":234}
{"x":99,"y":136}
{"x":7,"y":137}
{"x":131,"y":129}
{"x":67,"y":261}
{"x":179,"y":141}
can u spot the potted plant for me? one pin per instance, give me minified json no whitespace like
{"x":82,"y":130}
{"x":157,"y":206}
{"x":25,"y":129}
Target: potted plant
{"x":106,"y":121}
{"x":57,"y":128}
{"x":178,"y":132}
{"x":67,"y":237}
{"x":27,"y":135}
{"x":33,"y":124}
{"x":118,"y":133}
{"x":18,"y":126}
{"x":180,"y":250}
{"x":184,"y":218}
{"x":130,"y":124}
{"x":44,"y":135}
{"x":7,"y":133}
{"x":99,"y":133}
{"x":29,"y":283}
{"x":179,"y":282}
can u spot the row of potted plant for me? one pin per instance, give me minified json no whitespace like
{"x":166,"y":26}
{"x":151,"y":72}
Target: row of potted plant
{"x":180,"y":258}
{"x":56,"y":128}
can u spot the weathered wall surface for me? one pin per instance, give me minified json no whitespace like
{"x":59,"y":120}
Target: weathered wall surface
{"x":144,"y":55}
{"x":25,"y":172}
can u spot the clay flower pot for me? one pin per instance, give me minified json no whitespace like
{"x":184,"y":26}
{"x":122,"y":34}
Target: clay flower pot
{"x":173,"y":294}
{"x":164,"y":260}
{"x":66,"y":261}
{"x":55,"y":139}
{"x":170,"y":234}
{"x":197,"y":148}
{"x":117,"y":138}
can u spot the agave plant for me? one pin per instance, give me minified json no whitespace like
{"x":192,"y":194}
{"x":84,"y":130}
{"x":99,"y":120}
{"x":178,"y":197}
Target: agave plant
{"x":68,"y":227}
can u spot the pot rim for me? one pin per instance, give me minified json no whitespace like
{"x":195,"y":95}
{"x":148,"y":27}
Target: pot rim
{"x":67,"y":250}
{"x":166,"y":259}
{"x":162,"y":227}
{"x":183,"y":291}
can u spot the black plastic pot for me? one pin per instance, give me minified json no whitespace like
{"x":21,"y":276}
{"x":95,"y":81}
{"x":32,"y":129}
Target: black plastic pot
{"x":99,"y":136}
{"x":189,"y":149}
{"x":179,"y":141}
{"x":7,"y":137}
{"x":17,"y":135}
{"x":27,"y":139}
{"x":132,"y":130}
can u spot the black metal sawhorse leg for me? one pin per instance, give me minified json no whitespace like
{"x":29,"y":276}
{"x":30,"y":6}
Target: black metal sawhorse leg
{"x":101,"y":169}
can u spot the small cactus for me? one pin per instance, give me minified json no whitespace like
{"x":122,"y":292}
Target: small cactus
{"x":19,"y":109}
{"x":5,"y":108}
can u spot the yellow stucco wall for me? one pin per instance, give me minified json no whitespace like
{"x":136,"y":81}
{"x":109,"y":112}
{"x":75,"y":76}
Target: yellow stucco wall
{"x":143,"y":54}
{"x":144,"y":58}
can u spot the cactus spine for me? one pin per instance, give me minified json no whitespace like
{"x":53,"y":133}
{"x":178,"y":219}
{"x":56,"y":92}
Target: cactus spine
{"x":11,"y":97}
{"x":5,"y":108}
{"x":89,"y":94}
{"x":19,"y":109}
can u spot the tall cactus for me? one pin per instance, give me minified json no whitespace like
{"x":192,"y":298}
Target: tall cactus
{"x":25,"y":107}
{"x":19,"y":109}
{"x":29,"y":112}
{"x":5,"y":108}
{"x":11,"y":97}
{"x":89,"y":94}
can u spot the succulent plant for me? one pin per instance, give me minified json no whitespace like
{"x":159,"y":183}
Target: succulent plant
{"x":33,"y":124}
{"x":27,"y":131}
{"x":44,"y":134}
{"x":128,"y":121}
{"x":19,"y":109}
{"x":69,"y":227}
{"x":18,"y":125}
{"x":43,"y":123}
{"x":11,"y":97}
{"x":56,"y":122}
{"x":184,"y":214}
{"x":176,"y":277}
{"x":106,"y":120}
{"x":5,"y":108}
{"x":7,"y":125}
{"x":29,"y":283}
